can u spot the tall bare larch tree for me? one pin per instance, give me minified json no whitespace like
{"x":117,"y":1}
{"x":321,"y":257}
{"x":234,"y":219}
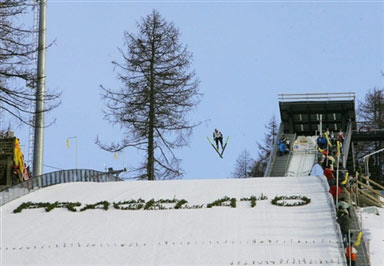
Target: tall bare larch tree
{"x":158,"y":90}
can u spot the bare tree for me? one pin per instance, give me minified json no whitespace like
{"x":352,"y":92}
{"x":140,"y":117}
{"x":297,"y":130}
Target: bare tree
{"x":17,"y":67}
{"x":265,"y":148}
{"x":243,"y":165}
{"x":371,"y":110}
{"x":371,"y":114}
{"x":157,"y":93}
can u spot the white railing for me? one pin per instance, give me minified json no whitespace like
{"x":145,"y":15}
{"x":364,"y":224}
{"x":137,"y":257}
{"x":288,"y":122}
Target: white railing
{"x":273,"y":154}
{"x":289,"y":155}
{"x":318,"y":96}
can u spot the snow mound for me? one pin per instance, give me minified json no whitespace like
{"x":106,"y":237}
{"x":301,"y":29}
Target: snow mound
{"x":198,"y":235}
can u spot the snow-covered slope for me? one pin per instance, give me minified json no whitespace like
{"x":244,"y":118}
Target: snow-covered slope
{"x":303,"y":156}
{"x":301,"y":164}
{"x":373,"y":221}
{"x":264,"y":234}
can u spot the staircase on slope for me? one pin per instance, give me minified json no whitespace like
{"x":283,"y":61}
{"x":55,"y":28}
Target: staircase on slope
{"x":348,"y":152}
{"x":362,"y":252}
{"x":280,"y":163}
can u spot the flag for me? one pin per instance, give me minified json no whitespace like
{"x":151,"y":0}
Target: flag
{"x":67,"y":143}
{"x":338,"y":148}
{"x":359,"y":236}
{"x":329,"y":142}
{"x":345,"y":179}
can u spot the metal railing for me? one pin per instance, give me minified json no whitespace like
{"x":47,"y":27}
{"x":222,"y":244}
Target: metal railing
{"x":289,"y":156}
{"x":364,"y":247}
{"x":318,"y":96}
{"x":272,"y":156}
{"x":370,"y":190}
{"x":53,"y":178}
{"x":336,"y":225}
{"x":347,"y":143}
{"x":368,"y":127}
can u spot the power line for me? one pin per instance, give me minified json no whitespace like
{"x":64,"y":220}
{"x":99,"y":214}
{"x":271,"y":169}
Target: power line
{"x":49,"y":166}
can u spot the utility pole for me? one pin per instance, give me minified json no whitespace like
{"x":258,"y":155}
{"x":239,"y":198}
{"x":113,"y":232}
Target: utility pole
{"x":38,"y":151}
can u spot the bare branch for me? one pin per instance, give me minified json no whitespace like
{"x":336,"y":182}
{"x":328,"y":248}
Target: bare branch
{"x":158,"y":90}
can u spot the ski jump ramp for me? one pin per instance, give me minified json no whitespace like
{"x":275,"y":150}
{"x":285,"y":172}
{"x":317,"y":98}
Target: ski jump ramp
{"x":232,"y":232}
{"x":303,"y":156}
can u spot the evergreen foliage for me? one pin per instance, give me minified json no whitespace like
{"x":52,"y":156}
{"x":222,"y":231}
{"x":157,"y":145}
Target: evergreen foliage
{"x":159,"y":204}
{"x":253,"y":199}
{"x":99,"y":205}
{"x":149,"y":204}
{"x":129,"y":205}
{"x":265,"y":148}
{"x":233,"y":203}
{"x":180,"y":204}
{"x":225,"y":201}
{"x":47,"y":206}
{"x":296,"y":201}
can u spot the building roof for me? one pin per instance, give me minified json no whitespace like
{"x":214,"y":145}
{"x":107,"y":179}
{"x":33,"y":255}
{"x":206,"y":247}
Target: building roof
{"x":302,"y":113}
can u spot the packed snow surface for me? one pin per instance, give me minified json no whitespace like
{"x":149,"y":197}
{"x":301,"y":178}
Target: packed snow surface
{"x":373,"y":221}
{"x":303,"y":156}
{"x":301,"y":164}
{"x":222,"y":235}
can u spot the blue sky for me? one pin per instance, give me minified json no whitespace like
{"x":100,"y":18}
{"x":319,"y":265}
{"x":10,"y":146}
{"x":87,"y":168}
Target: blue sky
{"x":245,"y":54}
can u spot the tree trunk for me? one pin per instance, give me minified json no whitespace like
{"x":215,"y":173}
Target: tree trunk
{"x":151,"y":157}
{"x":151,"y":148}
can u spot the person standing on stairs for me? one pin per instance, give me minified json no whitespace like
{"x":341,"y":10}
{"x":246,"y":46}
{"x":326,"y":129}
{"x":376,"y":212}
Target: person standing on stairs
{"x":350,"y":254}
{"x":345,"y":223}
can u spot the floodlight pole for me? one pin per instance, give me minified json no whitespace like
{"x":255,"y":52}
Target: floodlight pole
{"x":40,"y":94}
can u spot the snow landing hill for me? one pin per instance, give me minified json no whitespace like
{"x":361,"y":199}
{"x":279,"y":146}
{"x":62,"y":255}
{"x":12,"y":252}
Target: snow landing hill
{"x":194,"y":234}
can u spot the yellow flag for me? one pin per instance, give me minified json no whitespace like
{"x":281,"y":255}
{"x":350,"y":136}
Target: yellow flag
{"x":67,"y":143}
{"x":329,"y":142}
{"x":115,"y":155}
{"x":345,"y":179}
{"x":359,"y":236}
{"x":338,"y":148}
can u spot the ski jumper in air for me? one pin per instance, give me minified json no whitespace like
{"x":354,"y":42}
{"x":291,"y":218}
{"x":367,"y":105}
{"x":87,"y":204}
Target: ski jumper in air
{"x":218,"y":138}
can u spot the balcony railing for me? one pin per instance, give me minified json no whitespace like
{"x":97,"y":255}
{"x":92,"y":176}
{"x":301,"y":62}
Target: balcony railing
{"x":317,"y":96}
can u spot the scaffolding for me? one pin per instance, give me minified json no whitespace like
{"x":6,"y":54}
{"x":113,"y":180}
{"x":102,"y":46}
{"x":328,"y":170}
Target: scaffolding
{"x":33,"y":85}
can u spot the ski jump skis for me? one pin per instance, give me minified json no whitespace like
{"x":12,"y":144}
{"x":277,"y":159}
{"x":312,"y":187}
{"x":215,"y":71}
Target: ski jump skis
{"x":214,"y":147}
